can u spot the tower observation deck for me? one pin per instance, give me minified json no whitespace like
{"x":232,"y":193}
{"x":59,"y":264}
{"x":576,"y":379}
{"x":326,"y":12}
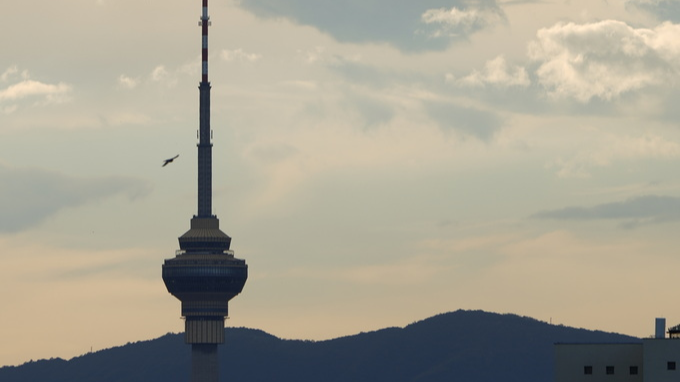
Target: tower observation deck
{"x":204,"y":275}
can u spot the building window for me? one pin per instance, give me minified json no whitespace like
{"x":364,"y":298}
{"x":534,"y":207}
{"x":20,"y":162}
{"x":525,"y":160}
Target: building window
{"x":633,"y":370}
{"x":587,"y":370}
{"x":610,"y":370}
{"x":670,"y":365}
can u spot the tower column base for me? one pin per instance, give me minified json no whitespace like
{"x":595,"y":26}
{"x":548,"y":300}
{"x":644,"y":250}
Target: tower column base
{"x":205,"y":330}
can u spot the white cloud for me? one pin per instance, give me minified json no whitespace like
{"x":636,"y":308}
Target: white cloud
{"x":455,"y":22}
{"x":316,"y":54}
{"x":8,"y":73}
{"x":239,"y":55}
{"x":127,"y":82}
{"x":605,"y":59}
{"x":496,"y":72}
{"x":29,"y":88}
{"x":161,"y":75}
{"x":169,"y":77}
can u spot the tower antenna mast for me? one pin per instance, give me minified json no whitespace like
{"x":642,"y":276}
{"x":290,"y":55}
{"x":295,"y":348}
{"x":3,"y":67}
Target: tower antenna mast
{"x":204,"y":141}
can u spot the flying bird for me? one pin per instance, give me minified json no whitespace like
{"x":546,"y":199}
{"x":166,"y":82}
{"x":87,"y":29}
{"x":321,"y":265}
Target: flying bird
{"x":165,"y":162}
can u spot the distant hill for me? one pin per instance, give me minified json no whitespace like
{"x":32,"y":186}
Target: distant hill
{"x":465,"y":346}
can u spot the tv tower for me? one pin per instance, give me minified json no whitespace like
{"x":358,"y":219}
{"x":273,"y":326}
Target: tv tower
{"x":204,"y":275}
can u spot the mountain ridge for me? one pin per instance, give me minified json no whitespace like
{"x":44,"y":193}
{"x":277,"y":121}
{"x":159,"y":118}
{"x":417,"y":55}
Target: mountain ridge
{"x":464,"y":345}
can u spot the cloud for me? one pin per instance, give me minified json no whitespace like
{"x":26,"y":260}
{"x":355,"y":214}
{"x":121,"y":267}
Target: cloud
{"x":495,"y":73}
{"x":360,"y":73}
{"x":29,"y":196}
{"x":8,"y":73}
{"x":166,"y":76}
{"x":27,"y":88}
{"x":639,"y":210}
{"x":456,"y":22}
{"x":31,"y":88}
{"x":466,"y":120}
{"x":605,"y":60}
{"x":239,"y":55}
{"x":662,"y":9}
{"x":609,"y":148}
{"x":170,"y":78}
{"x":127,"y":82}
{"x":520,"y":2}
{"x":162,"y":75}
{"x":409,"y":25}
{"x":373,"y":111}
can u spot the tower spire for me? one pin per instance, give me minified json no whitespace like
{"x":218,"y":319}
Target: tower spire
{"x":204,"y":142}
{"x":205,"y":23}
{"x":204,"y":275}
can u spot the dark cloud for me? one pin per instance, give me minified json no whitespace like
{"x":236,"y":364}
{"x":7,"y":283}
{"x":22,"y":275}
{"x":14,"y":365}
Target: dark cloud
{"x":406,"y":24}
{"x":365,"y":111}
{"x":360,"y":97}
{"x":28,"y":196}
{"x":364,"y":74}
{"x":634,"y":211}
{"x":666,"y":10}
{"x":374,"y":112}
{"x":465,"y":120}
{"x":521,"y":2}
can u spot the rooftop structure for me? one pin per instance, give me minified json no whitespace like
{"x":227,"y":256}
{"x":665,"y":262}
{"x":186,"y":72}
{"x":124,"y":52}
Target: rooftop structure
{"x":655,"y":359}
{"x":204,"y":275}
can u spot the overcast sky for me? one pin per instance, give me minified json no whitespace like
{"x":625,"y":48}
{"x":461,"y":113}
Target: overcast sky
{"x":376,"y":162}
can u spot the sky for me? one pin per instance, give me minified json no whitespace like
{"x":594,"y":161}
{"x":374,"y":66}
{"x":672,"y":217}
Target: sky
{"x":375,"y":162}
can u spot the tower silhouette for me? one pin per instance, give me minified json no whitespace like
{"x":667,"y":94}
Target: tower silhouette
{"x":204,"y":275}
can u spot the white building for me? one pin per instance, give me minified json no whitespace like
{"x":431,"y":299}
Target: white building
{"x":651,"y":360}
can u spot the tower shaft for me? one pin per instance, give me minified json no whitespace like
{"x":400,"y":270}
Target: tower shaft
{"x":204,"y":154}
{"x":204,"y":275}
{"x":204,"y":363}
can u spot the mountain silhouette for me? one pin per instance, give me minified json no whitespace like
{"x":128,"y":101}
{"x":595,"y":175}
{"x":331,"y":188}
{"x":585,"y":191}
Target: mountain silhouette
{"x":466,"y":346}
